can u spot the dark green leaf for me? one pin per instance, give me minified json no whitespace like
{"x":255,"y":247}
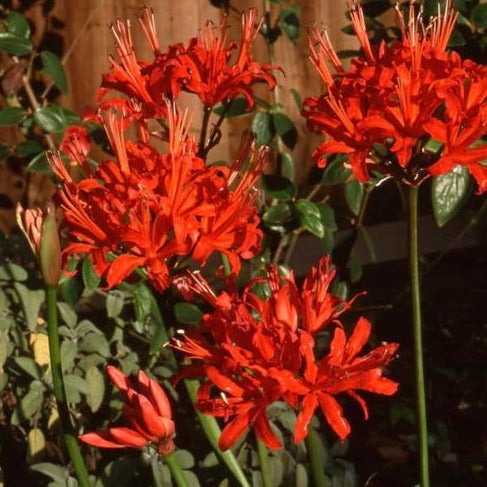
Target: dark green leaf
{"x":17,"y":24}
{"x":142,"y":299}
{"x":279,"y":187}
{"x":263,"y":128}
{"x":4,"y":150}
{"x":91,"y":279}
{"x":187,"y":313}
{"x":49,"y":119}
{"x":39,"y":164}
{"x":479,"y":15}
{"x":287,"y":164}
{"x":236,"y":107}
{"x":285,"y":128}
{"x":456,"y":39}
{"x":54,"y":68}
{"x":278,"y":214}
{"x":335,"y":172}
{"x":374,"y":8}
{"x":448,"y":194}
{"x":11,"y":115}
{"x":289,"y":18}
{"x":14,"y":44}
{"x":354,"y":194}
{"x":310,"y":217}
{"x":29,"y":148}
{"x":327,"y":216}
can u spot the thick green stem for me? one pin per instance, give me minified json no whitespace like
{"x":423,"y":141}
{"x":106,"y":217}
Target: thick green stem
{"x":418,"y":339}
{"x":67,"y":429}
{"x":177,"y":473}
{"x":317,"y":467}
{"x":265,"y":469}
{"x":212,"y":432}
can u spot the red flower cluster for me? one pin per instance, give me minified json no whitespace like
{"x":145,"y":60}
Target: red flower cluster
{"x":203,"y":67}
{"x":399,"y":96}
{"x":146,"y":410}
{"x":147,"y":209}
{"x":256,"y":351}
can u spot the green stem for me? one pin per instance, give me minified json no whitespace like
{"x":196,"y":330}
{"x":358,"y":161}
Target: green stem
{"x":212,"y":432}
{"x":265,"y":469}
{"x":418,"y":339}
{"x":67,"y":429}
{"x":176,"y":471}
{"x":317,"y":467}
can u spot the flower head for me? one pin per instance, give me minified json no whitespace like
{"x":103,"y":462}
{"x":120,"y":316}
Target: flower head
{"x":254,"y":351}
{"x":147,"y":412}
{"x":395,"y":97}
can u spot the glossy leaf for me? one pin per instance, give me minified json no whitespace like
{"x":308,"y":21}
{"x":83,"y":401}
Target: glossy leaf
{"x":54,"y":68}
{"x":286,"y":129}
{"x":279,"y":187}
{"x":15,"y":44}
{"x":448,"y":194}
{"x":263,"y":128}
{"x":335,"y":172}
{"x":236,"y":107}
{"x":11,"y":115}
{"x":49,"y":119}
{"x":29,"y":148}
{"x":187,"y":313}
{"x":354,"y":194}
{"x":17,"y":24}
{"x":278,"y":214}
{"x":39,"y":164}
{"x":289,"y":18}
{"x":310,"y":217}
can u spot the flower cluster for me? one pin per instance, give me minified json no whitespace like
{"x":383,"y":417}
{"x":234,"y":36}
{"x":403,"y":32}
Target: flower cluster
{"x":398,"y":97}
{"x":151,"y":210}
{"x":203,"y":67}
{"x":146,"y":410}
{"x":255,"y":351}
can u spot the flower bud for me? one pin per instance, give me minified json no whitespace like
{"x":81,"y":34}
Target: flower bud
{"x":41,"y":230}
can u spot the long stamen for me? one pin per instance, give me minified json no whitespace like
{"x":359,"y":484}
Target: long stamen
{"x":148,"y":23}
{"x":114,"y":128}
{"x":358,"y":22}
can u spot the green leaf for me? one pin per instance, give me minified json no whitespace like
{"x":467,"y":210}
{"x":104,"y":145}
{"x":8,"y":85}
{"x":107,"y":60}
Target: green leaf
{"x":285,"y":128}
{"x":448,"y":193}
{"x":49,"y":119}
{"x":12,"y":272}
{"x":54,"y":68}
{"x":15,"y":44}
{"x":456,"y":39}
{"x":287,"y":163}
{"x":289,"y":18}
{"x":28,"y":365}
{"x":354,"y":194}
{"x":11,"y":115}
{"x":4,"y":150}
{"x":187,"y":313}
{"x":310,"y":217}
{"x":479,"y":15}
{"x":31,"y":301}
{"x":236,"y":107}
{"x":263,"y":128}
{"x":91,"y":279}
{"x":114,"y":305}
{"x":68,"y":314}
{"x":278,"y":214}
{"x":96,"y":388}
{"x":279,"y":187}
{"x":327,"y":216}
{"x":17,"y":24}
{"x":3,"y":349}
{"x":54,"y":472}
{"x":31,"y":403}
{"x":39,"y":164}
{"x":335,"y":172}
{"x":184,"y":458}
{"x":29,"y":148}
{"x":297,"y":98}
{"x":95,"y":343}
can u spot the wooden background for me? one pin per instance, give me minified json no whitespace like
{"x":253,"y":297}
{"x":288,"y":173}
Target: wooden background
{"x":82,"y":28}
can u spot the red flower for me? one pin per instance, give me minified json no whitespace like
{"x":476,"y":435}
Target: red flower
{"x":254,"y":351}
{"x":76,"y":142}
{"x":395,"y":97}
{"x":147,"y":209}
{"x":342,"y":370}
{"x":147,"y":412}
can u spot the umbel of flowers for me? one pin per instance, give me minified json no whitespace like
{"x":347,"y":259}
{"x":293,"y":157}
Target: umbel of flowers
{"x":398,"y":97}
{"x":254,"y":351}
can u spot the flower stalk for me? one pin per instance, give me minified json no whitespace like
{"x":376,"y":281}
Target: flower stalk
{"x":265,"y":469}
{"x":418,"y":337}
{"x":177,"y":473}
{"x":60,"y":392}
{"x":312,"y":445}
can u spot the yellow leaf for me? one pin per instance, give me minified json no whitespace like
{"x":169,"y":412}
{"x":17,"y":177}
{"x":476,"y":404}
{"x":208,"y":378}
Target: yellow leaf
{"x":40,"y":348}
{"x":36,"y":444}
{"x":52,"y":422}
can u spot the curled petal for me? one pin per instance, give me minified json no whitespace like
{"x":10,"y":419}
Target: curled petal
{"x":102,"y":439}
{"x":333,"y":413}
{"x":310,"y":403}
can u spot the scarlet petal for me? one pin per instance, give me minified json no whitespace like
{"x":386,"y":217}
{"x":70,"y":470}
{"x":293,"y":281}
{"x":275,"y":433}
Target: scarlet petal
{"x":128,"y":437}
{"x":359,"y":338}
{"x":333,"y":413}
{"x":264,"y":432}
{"x":152,"y":421}
{"x":310,"y":403}
{"x":118,"y":378}
{"x":361,"y":402}
{"x":160,"y":399}
{"x":102,"y":439}
{"x":223,"y":382}
{"x":233,"y":430}
{"x":122,"y":267}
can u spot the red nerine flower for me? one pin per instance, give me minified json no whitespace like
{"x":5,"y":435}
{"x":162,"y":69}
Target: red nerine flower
{"x":76,"y":142}
{"x":396,"y":97}
{"x":147,"y":412}
{"x":205,"y":67}
{"x":146,"y":209}
{"x":254,"y":351}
